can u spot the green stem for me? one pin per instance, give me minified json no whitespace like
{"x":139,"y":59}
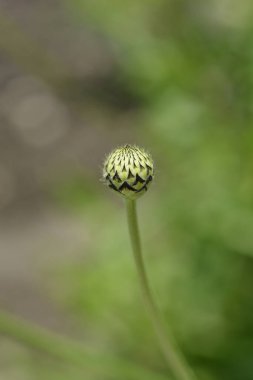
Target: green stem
{"x":171,"y":353}
{"x":71,"y":352}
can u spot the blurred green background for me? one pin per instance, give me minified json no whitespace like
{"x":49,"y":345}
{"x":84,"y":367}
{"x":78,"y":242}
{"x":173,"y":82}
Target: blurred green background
{"x":78,"y":78}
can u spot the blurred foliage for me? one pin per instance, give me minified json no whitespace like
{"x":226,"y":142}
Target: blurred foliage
{"x":54,"y":356}
{"x":189,"y":63}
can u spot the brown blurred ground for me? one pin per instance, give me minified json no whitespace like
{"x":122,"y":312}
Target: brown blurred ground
{"x":54,"y":76}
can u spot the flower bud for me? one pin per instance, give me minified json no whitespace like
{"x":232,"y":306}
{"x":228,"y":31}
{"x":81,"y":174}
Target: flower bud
{"x":129,"y":171}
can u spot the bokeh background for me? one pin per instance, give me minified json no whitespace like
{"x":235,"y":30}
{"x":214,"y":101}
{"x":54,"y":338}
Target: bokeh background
{"x":77,"y":78}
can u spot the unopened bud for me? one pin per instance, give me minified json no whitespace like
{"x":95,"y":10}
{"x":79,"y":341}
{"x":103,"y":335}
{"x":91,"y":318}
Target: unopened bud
{"x":129,"y":170}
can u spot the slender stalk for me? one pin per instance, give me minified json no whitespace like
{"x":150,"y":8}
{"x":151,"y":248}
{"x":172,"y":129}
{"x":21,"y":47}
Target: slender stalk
{"x":171,"y":353}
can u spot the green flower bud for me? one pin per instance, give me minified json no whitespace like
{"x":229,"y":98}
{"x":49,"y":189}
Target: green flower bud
{"x":129,"y":171}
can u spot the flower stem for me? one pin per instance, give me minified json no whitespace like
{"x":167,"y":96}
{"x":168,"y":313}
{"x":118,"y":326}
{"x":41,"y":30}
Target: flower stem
{"x":171,"y":353}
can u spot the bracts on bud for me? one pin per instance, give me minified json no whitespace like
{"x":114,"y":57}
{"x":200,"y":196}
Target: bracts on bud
{"x":129,"y":170}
